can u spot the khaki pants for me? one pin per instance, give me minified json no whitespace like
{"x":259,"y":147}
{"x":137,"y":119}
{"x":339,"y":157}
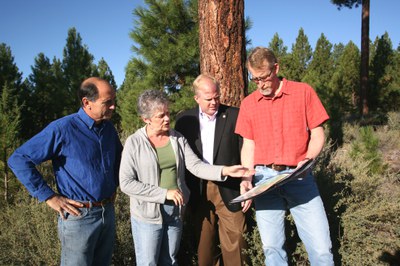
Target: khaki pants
{"x":218,"y":223}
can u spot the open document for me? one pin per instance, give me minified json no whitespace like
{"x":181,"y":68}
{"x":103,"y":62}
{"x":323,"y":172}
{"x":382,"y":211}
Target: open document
{"x":275,"y":181}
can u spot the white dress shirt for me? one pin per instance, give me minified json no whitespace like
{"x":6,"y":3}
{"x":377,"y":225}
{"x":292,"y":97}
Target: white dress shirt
{"x":207,"y":131}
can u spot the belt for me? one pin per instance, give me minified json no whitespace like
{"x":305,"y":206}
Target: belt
{"x":90,"y":204}
{"x":277,"y":167}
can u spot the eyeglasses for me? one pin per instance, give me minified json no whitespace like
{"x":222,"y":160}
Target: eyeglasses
{"x":263,"y":78}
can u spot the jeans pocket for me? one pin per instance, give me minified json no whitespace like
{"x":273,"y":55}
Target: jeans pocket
{"x":83,"y":213}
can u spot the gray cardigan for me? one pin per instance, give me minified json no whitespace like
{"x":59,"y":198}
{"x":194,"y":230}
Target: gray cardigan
{"x":140,"y":174}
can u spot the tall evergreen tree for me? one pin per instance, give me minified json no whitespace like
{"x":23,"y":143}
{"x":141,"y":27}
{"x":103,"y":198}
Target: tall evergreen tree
{"x":299,"y":57}
{"x":345,"y":81}
{"x":166,"y":37}
{"x":18,"y":91}
{"x":48,"y":93}
{"x":364,"y":72}
{"x":77,"y":65}
{"x":166,"y":56}
{"x":337,"y":53}
{"x":280,"y":51}
{"x":104,"y":72}
{"x":60,"y":84}
{"x":320,"y":69}
{"x":380,"y":78}
{"x":10,"y":114}
{"x":391,"y":95}
{"x":9,"y":72}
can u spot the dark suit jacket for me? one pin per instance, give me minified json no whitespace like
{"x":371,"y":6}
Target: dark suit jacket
{"x":227,"y":147}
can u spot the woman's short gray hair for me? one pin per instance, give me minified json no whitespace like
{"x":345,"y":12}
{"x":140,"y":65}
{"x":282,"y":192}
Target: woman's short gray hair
{"x":150,"y":101}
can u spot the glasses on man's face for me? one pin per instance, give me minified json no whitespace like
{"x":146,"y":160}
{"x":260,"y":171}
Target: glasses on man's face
{"x":262,"y":78}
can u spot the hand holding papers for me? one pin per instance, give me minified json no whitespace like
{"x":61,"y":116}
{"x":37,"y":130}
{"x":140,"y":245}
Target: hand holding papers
{"x":275,"y":181}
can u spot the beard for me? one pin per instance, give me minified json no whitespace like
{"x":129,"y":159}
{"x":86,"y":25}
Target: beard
{"x":268,"y":91}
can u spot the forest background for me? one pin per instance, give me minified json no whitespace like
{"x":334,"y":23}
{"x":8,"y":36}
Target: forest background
{"x":358,"y":172}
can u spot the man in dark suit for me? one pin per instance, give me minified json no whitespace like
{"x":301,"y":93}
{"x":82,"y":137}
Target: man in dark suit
{"x":209,"y":129}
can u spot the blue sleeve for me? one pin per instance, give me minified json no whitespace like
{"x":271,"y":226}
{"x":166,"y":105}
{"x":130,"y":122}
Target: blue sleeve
{"x":23,"y":161}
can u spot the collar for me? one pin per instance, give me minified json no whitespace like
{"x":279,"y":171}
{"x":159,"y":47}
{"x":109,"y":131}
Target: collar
{"x":203,"y":115}
{"x":86,"y":119}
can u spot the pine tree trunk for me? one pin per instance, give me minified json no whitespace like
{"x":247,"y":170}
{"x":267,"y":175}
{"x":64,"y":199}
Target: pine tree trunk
{"x":222,"y":46}
{"x":364,"y":57}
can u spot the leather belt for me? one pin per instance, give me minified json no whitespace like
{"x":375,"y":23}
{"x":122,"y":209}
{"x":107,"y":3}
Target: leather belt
{"x":90,"y":204}
{"x":277,"y":167}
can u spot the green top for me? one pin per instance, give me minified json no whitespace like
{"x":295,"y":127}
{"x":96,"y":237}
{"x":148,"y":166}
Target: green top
{"x":167,"y":162}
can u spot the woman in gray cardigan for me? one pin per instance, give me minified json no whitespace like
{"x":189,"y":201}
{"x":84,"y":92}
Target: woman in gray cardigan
{"x":152,"y":174}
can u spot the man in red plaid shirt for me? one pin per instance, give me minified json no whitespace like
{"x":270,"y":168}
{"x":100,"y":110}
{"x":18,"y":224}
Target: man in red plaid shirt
{"x":281,"y":125}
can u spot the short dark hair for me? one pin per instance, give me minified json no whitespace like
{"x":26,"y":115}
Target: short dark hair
{"x":89,"y":90}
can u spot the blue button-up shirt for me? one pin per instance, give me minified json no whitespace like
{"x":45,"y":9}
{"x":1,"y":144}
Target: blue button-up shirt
{"x":85,"y":159}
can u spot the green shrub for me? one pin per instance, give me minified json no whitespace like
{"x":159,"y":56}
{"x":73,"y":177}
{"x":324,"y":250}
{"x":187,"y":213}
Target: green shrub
{"x":369,"y":200}
{"x":366,"y":148}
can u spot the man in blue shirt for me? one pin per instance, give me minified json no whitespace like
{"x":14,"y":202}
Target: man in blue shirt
{"x":85,"y":152}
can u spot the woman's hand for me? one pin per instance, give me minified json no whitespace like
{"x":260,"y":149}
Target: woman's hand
{"x":176,"y":196}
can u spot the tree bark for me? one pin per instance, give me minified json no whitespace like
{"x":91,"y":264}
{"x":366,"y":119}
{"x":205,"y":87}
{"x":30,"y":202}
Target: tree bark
{"x":364,"y":71}
{"x":223,"y":47}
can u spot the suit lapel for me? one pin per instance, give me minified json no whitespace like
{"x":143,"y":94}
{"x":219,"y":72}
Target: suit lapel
{"x":196,"y":131}
{"x":219,"y":129}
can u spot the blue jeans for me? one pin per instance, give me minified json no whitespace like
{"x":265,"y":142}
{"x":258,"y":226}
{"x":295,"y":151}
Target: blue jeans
{"x":158,"y":244}
{"x":88,"y":239}
{"x":301,"y":197}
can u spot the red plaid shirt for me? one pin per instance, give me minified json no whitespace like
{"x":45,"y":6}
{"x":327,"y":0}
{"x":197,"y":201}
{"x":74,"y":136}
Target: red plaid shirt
{"x":280,"y":126}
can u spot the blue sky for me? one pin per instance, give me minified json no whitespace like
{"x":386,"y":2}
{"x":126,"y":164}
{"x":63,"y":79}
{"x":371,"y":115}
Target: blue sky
{"x":30,"y":27}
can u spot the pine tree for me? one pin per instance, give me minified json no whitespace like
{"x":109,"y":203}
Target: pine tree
{"x":380,"y":78}
{"x":48,"y":93}
{"x":337,"y":53}
{"x":320,"y":69}
{"x":345,"y":81}
{"x":167,"y":43}
{"x":280,"y":51}
{"x":391,"y":93}
{"x":344,"y":89}
{"x":104,"y":72}
{"x":364,"y":65}
{"x":60,"y":84}
{"x":9,"y":72}
{"x":299,"y":58}
{"x":10,"y":114}
{"x":166,"y":57}
{"x":77,"y":65}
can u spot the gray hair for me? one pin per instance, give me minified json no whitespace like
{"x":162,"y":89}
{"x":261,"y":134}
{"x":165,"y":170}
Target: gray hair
{"x":259,"y":56}
{"x":150,"y":101}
